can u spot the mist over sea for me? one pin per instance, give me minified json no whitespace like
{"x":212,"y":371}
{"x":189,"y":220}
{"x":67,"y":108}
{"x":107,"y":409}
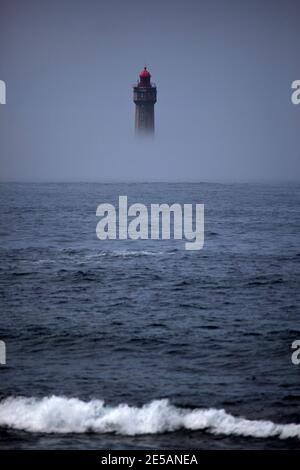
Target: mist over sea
{"x":142,"y":344}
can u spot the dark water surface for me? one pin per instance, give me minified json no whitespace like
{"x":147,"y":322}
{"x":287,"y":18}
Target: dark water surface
{"x":166,"y":337}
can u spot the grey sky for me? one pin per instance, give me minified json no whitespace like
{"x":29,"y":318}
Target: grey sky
{"x":223,"y":71}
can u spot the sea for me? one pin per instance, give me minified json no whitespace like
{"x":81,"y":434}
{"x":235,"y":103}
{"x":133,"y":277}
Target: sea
{"x":142,"y":344}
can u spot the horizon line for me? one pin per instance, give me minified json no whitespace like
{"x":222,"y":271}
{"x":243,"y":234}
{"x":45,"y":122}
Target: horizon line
{"x":227,"y":181}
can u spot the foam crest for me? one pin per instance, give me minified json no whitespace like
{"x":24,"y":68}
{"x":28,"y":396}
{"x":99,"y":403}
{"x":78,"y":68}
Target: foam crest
{"x":70,"y":415}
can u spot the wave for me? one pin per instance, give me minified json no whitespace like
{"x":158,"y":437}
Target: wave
{"x":125,"y":253}
{"x":81,"y":258}
{"x":63,"y":415}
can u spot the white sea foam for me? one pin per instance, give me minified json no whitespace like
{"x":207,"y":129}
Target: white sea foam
{"x":126,"y":253}
{"x":70,"y":415}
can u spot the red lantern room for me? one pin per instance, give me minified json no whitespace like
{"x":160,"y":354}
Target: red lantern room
{"x":145,"y":77}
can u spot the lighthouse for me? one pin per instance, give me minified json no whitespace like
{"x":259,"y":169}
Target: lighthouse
{"x":144,"y":97}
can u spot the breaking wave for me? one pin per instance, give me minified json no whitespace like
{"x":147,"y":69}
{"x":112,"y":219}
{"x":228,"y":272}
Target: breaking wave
{"x":70,"y":415}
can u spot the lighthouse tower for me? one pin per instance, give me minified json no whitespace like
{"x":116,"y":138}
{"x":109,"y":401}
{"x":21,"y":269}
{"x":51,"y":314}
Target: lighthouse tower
{"x":144,"y":97}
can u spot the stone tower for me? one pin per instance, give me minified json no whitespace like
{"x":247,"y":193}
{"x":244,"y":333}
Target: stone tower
{"x":144,"y":97}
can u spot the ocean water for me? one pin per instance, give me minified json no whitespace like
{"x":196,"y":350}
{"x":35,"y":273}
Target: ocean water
{"x":142,"y":344}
